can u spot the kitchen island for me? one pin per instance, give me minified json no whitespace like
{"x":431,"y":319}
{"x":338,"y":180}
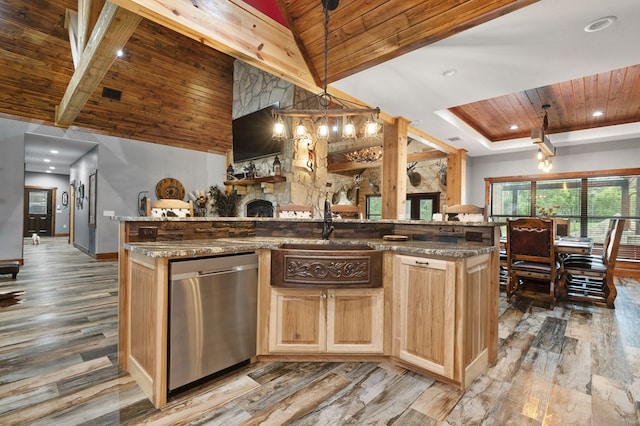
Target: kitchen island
{"x":435,"y":309}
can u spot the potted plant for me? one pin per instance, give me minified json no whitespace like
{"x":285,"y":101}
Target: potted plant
{"x":224,"y":203}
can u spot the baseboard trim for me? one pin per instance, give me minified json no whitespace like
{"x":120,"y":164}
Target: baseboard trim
{"x":82,"y":249}
{"x":20,"y":261}
{"x":107,"y":256}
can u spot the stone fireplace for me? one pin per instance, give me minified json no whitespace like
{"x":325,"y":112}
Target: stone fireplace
{"x":259,"y":208}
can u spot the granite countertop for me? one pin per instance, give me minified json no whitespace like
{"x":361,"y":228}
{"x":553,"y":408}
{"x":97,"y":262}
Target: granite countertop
{"x":196,"y":248}
{"x":275,"y":219}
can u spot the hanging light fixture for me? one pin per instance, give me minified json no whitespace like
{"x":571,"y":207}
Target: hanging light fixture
{"x":349,"y":129}
{"x":546,"y":150}
{"x":330,"y":106}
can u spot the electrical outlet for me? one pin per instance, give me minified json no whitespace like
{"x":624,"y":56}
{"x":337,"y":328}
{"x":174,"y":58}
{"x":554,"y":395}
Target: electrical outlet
{"x":147,"y":233}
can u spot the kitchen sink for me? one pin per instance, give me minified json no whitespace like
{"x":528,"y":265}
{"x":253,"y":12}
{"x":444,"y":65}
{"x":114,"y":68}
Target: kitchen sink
{"x":332,"y":265}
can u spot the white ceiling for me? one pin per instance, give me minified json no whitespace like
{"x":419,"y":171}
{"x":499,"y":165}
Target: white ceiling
{"x":540,"y":44}
{"x":37,"y":148}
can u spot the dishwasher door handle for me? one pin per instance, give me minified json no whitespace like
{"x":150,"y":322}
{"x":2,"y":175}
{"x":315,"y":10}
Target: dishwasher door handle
{"x":201,"y":274}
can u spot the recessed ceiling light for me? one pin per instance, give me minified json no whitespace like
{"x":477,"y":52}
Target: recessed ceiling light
{"x":52,"y":167}
{"x":48,"y":171}
{"x":46,"y":160}
{"x":120,"y":53}
{"x":54,"y":151}
{"x":513,"y":127}
{"x":600,"y":24}
{"x":449,"y":72}
{"x":597,"y":114}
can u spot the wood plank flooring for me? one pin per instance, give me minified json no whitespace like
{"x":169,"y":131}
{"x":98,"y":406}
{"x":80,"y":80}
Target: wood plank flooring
{"x":576,"y":364}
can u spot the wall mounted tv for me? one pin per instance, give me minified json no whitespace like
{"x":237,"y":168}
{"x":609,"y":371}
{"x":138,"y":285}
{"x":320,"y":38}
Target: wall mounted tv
{"x":253,"y":135}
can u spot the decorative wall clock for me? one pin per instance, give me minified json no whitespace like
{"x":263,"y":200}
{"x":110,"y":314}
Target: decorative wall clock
{"x":170,"y":188}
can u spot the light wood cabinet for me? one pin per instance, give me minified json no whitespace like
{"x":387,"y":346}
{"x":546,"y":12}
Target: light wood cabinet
{"x":425,"y":296}
{"x":442,"y":315}
{"x":143,"y":318}
{"x":297,"y":321}
{"x":326,"y":320}
{"x":355,"y":320}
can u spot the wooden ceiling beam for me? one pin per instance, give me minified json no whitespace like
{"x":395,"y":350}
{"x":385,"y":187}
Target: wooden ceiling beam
{"x":416,"y":133}
{"x":234,"y":28}
{"x":112,"y":30}
{"x":425,"y":155}
{"x":71,"y":25}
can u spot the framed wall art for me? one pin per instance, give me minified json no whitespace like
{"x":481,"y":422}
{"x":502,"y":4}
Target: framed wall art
{"x":80,"y":195}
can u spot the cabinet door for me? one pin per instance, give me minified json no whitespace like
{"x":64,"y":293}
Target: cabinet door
{"x":424,"y":313}
{"x":297,"y":321}
{"x":355,"y":320}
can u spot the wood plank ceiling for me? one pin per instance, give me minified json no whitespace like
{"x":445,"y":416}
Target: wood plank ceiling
{"x":174,"y":90}
{"x":177,"y":90}
{"x":364,"y":34}
{"x":571,"y":106}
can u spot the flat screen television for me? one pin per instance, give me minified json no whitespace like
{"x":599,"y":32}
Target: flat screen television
{"x":253,"y":135}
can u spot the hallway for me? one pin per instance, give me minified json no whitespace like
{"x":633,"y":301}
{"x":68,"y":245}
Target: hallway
{"x":576,"y":364}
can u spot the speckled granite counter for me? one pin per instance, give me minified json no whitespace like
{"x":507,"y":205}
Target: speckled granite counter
{"x":209,"y":247}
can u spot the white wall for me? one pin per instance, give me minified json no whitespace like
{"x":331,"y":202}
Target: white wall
{"x":52,"y":180}
{"x":589,"y":157}
{"x":125,"y":167}
{"x":83,"y":235}
{"x":12,"y":188}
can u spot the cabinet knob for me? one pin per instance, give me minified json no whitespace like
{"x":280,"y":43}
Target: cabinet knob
{"x":323,"y":296}
{"x":330,"y":295}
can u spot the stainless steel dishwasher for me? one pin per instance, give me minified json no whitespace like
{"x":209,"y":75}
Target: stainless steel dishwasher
{"x":212,"y":315}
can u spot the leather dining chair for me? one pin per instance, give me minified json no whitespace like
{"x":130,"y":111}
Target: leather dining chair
{"x":531,"y":259}
{"x":590,"y":277}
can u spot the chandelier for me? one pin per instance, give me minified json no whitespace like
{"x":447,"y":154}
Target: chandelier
{"x":341,"y":112}
{"x":546,"y":150}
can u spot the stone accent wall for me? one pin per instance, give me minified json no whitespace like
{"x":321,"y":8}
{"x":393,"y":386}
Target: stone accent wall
{"x":429,"y":171}
{"x":254,"y":89}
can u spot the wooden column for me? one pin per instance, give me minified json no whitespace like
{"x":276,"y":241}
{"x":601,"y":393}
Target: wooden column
{"x":394,"y":169}
{"x":456,"y":177}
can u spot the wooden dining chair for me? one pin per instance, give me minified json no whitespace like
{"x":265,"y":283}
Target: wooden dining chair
{"x":531,"y":259}
{"x":590,"y":277}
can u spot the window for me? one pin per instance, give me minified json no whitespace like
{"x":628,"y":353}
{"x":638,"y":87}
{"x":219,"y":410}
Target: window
{"x":587,"y":200}
{"x":374,"y":207}
{"x":422,"y":206}
{"x":419,"y":206}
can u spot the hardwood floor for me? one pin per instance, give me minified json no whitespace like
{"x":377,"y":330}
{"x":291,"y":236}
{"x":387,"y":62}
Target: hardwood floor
{"x":575,"y":364}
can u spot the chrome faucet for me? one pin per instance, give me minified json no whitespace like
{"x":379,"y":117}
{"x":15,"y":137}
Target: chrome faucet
{"x":327,"y":227}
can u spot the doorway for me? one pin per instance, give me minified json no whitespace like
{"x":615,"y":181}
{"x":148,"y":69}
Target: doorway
{"x":38,"y":211}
